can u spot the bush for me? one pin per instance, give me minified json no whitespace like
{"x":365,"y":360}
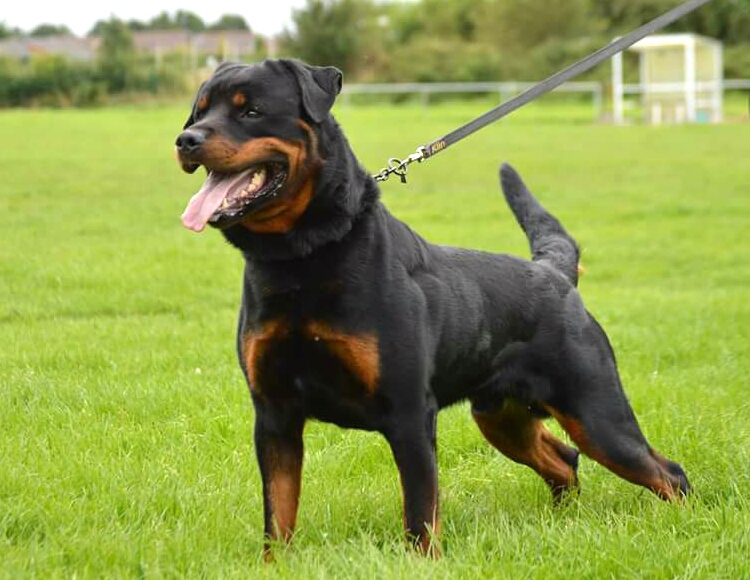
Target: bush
{"x":54,"y":81}
{"x":737,"y":61}
{"x":49,"y":81}
{"x":442,"y":60}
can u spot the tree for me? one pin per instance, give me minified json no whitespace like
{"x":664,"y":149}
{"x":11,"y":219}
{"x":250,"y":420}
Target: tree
{"x":405,"y":21}
{"x":97,"y":28}
{"x":183,"y":20}
{"x":230,"y":22}
{"x":163,"y":21}
{"x":451,"y":18}
{"x":728,"y":20}
{"x":51,"y":30}
{"x":133,"y":24}
{"x":332,"y":32}
{"x":517,"y":26}
{"x":187,"y":20}
{"x":117,"y":55}
{"x":137,"y":25}
{"x":8,"y":32}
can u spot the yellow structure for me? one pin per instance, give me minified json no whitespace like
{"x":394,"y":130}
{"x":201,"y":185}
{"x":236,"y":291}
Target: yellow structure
{"x":681,"y":79}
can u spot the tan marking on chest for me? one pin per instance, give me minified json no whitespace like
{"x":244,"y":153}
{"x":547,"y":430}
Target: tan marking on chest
{"x":255,"y":345}
{"x":280,"y":216}
{"x":358,"y":352}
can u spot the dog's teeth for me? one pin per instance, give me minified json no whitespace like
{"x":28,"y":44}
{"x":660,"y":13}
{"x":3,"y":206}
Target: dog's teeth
{"x":224,"y":203}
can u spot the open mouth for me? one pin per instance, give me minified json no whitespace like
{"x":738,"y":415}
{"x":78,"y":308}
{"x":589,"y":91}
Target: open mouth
{"x":225,"y":198}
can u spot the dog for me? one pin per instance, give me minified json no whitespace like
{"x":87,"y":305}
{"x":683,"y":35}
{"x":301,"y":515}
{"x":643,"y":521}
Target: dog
{"x":349,"y":316}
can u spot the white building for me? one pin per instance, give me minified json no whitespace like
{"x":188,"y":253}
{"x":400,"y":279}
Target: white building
{"x":680,"y":79}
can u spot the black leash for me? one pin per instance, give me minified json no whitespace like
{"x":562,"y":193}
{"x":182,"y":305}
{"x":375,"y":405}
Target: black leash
{"x":400,"y":166}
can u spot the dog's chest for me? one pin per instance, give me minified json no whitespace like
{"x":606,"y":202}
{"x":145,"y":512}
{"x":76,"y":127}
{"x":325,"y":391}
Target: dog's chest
{"x":311,"y":360}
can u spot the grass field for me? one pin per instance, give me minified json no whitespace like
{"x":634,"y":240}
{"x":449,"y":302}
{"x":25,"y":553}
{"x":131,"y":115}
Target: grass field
{"x":125,"y":446}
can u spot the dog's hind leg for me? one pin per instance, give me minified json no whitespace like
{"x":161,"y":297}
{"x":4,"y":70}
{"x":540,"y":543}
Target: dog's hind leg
{"x":607,"y":431}
{"x":592,"y":407}
{"x":519,"y":434}
{"x":621,"y":448}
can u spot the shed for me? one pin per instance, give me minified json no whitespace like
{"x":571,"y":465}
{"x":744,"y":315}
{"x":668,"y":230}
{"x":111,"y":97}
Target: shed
{"x":680,"y":79}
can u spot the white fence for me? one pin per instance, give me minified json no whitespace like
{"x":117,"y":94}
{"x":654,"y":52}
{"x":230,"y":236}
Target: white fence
{"x":505,"y":90}
{"x":711,"y":98}
{"x":730,"y":84}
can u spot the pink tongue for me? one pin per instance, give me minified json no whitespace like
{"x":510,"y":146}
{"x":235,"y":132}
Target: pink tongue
{"x":208,"y":199}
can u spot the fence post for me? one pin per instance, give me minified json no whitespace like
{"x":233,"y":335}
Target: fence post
{"x":617,"y":89}
{"x":598,"y":101}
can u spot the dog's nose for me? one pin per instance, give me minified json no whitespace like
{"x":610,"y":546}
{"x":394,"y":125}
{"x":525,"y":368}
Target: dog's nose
{"x":188,"y":141}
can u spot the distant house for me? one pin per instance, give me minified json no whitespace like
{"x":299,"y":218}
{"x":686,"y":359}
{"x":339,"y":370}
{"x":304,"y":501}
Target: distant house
{"x":229,"y":44}
{"x":159,"y":42}
{"x":226,"y":43}
{"x":71,"y":47}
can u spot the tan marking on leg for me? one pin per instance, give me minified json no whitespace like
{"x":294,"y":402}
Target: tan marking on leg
{"x":255,"y":344}
{"x":516,"y":433}
{"x":284,"y":484}
{"x":284,"y":489}
{"x":656,"y":479}
{"x":426,"y":543}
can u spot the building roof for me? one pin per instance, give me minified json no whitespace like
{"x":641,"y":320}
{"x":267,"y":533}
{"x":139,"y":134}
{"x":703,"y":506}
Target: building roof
{"x":69,"y":46}
{"x":224,"y":42}
{"x":235,"y":41}
{"x":161,"y":40}
{"x":217,"y":42}
{"x":672,"y":40}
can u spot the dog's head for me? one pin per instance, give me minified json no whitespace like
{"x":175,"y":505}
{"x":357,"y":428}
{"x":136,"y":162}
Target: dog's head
{"x":255,"y":129}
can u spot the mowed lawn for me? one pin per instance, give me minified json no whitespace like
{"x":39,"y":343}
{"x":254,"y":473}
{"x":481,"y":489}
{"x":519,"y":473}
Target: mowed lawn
{"x":125,"y":424}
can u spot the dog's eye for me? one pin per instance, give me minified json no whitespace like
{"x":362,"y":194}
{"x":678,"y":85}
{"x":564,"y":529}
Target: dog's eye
{"x":251,"y":113}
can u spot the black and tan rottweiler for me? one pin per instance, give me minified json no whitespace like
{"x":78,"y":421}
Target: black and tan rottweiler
{"x":351,"y":317}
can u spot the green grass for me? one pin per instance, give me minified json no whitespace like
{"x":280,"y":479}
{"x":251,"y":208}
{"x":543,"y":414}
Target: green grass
{"x":120,"y":458}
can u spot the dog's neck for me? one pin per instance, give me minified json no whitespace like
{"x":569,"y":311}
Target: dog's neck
{"x":343,"y":193}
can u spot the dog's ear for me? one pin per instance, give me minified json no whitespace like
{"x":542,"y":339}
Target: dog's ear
{"x":191,"y":118}
{"x":224,"y":64}
{"x":319,"y":86}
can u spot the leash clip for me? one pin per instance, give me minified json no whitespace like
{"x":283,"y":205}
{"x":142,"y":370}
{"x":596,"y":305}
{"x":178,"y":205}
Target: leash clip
{"x":400,"y":167}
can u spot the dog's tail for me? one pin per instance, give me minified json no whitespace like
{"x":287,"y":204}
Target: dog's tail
{"x":548,"y":239}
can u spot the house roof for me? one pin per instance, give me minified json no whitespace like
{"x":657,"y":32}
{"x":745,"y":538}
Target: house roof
{"x":69,"y":46}
{"x":673,"y":40}
{"x":231,"y":42}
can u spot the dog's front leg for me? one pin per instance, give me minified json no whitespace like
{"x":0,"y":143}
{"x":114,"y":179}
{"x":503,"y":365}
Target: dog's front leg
{"x":412,"y":440}
{"x":278,"y":445}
